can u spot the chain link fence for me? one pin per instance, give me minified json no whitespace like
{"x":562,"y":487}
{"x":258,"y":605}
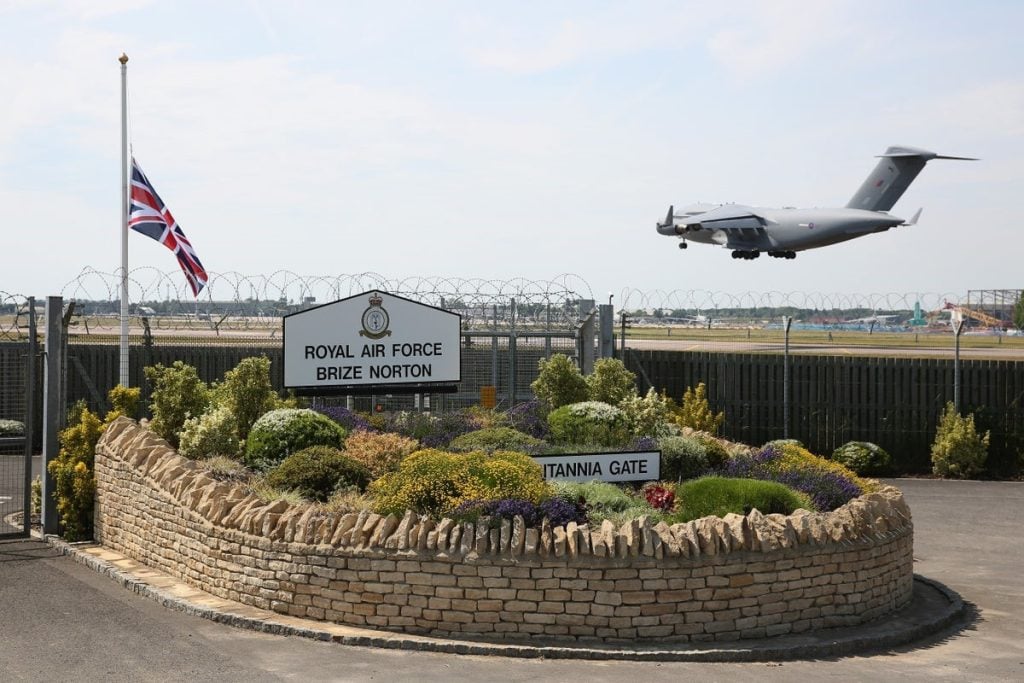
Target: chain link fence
{"x":18,"y":408}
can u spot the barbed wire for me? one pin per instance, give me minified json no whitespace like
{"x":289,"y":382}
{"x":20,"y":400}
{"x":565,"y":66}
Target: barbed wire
{"x":254,"y":304}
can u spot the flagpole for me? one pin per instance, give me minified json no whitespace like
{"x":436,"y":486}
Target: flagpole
{"x":123,"y":380}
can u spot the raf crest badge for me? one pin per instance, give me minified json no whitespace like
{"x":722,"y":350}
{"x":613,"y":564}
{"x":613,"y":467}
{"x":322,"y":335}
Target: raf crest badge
{"x":375,"y":319}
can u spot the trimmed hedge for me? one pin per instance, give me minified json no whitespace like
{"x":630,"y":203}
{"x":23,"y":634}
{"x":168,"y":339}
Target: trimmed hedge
{"x":317,"y":472}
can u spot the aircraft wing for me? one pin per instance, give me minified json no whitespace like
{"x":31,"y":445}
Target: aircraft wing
{"x":732,"y":226}
{"x":730,"y":216}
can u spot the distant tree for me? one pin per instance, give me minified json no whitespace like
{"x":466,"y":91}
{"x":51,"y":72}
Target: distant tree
{"x":1018,"y":312}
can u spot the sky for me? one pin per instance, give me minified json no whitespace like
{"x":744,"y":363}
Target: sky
{"x":509,"y":140}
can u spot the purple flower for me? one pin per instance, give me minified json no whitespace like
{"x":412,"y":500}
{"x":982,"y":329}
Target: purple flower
{"x":644,"y":443}
{"x":827,"y":490}
{"x":529,"y":418}
{"x":348,"y":419}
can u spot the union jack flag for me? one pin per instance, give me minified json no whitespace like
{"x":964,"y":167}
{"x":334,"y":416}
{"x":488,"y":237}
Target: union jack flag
{"x":148,"y":215}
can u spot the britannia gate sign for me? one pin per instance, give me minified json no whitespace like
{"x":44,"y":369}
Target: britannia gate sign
{"x":372,"y":342}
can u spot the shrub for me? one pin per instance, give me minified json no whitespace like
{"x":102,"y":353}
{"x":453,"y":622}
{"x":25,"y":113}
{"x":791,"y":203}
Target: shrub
{"x":558,"y":510}
{"x":559,"y":382}
{"x":72,"y":469}
{"x":717,"y":451}
{"x":380,"y":452}
{"x":486,"y":418}
{"x":12,"y":428}
{"x":74,"y":484}
{"x":281,"y":432}
{"x":588,"y":422}
{"x":317,"y":472}
{"x":36,"y":507}
{"x":212,"y":433}
{"x":497,"y":439}
{"x":828,"y":484}
{"x":178,"y":394}
{"x":349,"y":419}
{"x":435,"y":482}
{"x":247,"y":393}
{"x":123,"y":401}
{"x":659,"y":497}
{"x":695,"y":411}
{"x":529,"y":418}
{"x":347,"y":500}
{"x":610,"y":382}
{"x":650,"y":415}
{"x":682,"y":457}
{"x":223,"y":468}
{"x":719,"y":496}
{"x":432,"y":431}
{"x":863,"y":457}
{"x":605,"y":501}
{"x":958,"y":450}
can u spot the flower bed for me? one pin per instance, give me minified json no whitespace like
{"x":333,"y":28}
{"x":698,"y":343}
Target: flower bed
{"x":741,"y":576}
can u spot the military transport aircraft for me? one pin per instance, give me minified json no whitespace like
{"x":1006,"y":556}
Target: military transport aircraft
{"x":748,"y":231}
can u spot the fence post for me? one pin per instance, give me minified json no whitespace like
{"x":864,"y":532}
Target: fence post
{"x":787,"y":323}
{"x":607,"y":327}
{"x":958,"y":328}
{"x":30,"y":412}
{"x":512,"y":355}
{"x":585,"y":336}
{"x":52,"y":407}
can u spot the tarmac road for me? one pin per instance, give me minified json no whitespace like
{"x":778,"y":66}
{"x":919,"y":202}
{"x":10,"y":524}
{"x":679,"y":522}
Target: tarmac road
{"x":59,"y":620}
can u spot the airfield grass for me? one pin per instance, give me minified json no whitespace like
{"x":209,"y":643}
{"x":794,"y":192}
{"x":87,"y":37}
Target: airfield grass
{"x":839,"y":338}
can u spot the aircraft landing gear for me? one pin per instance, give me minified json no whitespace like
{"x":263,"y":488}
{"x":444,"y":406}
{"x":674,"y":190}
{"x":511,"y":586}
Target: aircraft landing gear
{"x":782,"y":254}
{"x":683,"y":245}
{"x":745,"y":254}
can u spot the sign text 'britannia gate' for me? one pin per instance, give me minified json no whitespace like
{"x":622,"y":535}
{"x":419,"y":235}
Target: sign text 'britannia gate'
{"x":372,"y":341}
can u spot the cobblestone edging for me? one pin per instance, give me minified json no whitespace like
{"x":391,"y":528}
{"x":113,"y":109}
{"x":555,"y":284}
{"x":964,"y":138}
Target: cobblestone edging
{"x":712,"y":579}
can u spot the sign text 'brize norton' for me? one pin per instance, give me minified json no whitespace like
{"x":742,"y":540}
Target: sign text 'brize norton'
{"x":369,"y":340}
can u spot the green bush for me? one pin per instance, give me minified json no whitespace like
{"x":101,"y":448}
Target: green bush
{"x":317,"y":472}
{"x":864,"y":458}
{"x":717,"y":451}
{"x":72,"y":469}
{"x":279,"y":433}
{"x":682,"y":457}
{"x":380,"y":452}
{"x":719,"y":496}
{"x":610,"y":382}
{"x":695,"y":411}
{"x":958,"y":451}
{"x":559,"y":382}
{"x":247,"y":393}
{"x":649,"y":416}
{"x":589,"y":422}
{"x":606,"y":501}
{"x":496,"y":439}
{"x":12,"y":428}
{"x":436,"y":482}
{"x":223,"y":468}
{"x":178,"y":394}
{"x":212,"y":433}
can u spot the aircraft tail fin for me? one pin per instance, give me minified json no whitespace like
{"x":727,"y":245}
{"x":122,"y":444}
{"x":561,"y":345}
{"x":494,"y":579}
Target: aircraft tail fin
{"x":896,"y":169}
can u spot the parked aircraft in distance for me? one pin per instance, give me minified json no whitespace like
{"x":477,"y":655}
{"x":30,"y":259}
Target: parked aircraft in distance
{"x":872,"y":320}
{"x":748,"y":231}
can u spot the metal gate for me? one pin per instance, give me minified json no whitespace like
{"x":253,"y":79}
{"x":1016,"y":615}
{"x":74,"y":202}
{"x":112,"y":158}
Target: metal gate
{"x":19,"y":376}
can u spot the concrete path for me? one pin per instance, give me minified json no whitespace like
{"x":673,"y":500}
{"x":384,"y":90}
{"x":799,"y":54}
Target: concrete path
{"x":60,"y":619}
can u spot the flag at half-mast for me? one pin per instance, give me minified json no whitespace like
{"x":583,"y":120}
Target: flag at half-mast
{"x":148,"y":215}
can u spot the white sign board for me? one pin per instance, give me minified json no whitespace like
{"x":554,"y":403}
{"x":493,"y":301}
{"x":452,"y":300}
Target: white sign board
{"x":371,"y":340}
{"x":638,"y":466}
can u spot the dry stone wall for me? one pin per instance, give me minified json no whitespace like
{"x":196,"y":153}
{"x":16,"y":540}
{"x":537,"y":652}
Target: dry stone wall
{"x":711,"y":579}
